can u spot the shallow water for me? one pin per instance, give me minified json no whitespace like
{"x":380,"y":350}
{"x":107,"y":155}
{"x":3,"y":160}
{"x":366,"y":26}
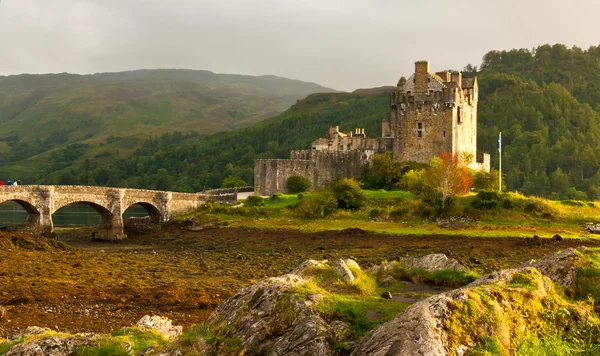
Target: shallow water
{"x":78,"y":214}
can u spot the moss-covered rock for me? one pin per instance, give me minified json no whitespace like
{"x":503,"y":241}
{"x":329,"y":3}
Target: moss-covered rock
{"x":498,"y":314}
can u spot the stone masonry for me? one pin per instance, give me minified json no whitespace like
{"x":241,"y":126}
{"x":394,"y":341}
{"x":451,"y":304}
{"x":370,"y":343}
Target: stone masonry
{"x":40,"y":202}
{"x":430,"y":113}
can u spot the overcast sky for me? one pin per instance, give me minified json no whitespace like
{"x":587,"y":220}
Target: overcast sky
{"x":343,"y":44}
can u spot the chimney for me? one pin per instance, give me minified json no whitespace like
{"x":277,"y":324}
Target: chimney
{"x":421,"y":76}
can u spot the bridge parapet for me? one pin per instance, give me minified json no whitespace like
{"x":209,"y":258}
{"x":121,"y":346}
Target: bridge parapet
{"x":40,"y":202}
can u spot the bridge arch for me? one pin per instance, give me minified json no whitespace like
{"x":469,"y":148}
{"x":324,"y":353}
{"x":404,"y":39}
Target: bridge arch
{"x":108,"y":221}
{"x":156,"y":216}
{"x":33,"y":214}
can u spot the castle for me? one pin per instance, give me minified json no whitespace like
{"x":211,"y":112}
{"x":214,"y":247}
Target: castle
{"x":430,"y":113}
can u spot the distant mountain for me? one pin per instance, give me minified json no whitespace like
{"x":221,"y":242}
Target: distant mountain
{"x":39,"y":113}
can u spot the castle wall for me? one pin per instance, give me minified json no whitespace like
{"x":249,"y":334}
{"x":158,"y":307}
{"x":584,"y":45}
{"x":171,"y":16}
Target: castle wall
{"x":321,"y":167}
{"x":271,"y":175}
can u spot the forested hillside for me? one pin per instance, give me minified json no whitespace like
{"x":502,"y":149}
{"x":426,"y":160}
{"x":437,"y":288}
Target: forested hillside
{"x":546,"y":102}
{"x":40,"y":113}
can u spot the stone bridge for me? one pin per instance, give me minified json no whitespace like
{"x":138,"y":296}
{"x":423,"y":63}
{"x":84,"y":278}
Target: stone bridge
{"x":41,"y":201}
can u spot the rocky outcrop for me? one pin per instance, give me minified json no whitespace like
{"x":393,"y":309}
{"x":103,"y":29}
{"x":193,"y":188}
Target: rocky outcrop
{"x":161,"y":324}
{"x":269,"y":315}
{"x":560,"y":267}
{"x":422,"y":328}
{"x":51,"y":345}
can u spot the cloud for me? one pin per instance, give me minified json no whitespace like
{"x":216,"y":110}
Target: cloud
{"x":342,"y":44}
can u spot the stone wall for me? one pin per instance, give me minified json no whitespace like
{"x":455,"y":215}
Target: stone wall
{"x":320,"y":167}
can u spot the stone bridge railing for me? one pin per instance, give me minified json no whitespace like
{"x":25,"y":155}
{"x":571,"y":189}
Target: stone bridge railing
{"x":40,"y":202}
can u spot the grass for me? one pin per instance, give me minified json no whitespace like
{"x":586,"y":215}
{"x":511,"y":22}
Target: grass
{"x":108,"y":347}
{"x":5,"y":346}
{"x":399,"y":213}
{"x":139,"y":339}
{"x":355,"y":311}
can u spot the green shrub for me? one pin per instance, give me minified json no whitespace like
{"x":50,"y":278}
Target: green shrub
{"x":254,"y":200}
{"x":298,"y":184}
{"x":318,"y":205}
{"x":348,"y":193}
{"x":486,"y":199}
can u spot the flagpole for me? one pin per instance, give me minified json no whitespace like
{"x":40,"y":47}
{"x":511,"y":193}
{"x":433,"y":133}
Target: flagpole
{"x":500,"y":162}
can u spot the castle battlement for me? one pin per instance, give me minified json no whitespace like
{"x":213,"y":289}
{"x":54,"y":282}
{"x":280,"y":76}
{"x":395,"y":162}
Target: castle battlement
{"x":430,"y":113}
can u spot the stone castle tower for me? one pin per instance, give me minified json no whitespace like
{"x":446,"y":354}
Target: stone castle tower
{"x":431,"y":113}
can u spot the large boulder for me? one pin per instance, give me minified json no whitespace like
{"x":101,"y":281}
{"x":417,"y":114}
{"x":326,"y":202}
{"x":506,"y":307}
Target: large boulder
{"x":494,"y":307}
{"x":270,"y":315}
{"x":161,"y":324}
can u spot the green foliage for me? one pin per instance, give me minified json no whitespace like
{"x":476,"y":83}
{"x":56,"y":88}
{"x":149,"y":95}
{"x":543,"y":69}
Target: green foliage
{"x":383,"y":172}
{"x":233,"y":182}
{"x":139,"y":339}
{"x":5,"y":346}
{"x":348,"y":193}
{"x":318,"y":205}
{"x":487,"y":200}
{"x":108,"y":347}
{"x":298,"y":184}
{"x":254,"y":200}
{"x":445,"y":277}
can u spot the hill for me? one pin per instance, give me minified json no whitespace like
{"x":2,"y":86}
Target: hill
{"x":41,"y":112}
{"x":545,"y":101}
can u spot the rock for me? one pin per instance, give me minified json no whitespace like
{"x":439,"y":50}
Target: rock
{"x":386,"y":295}
{"x":341,"y":268}
{"x":474,"y":260}
{"x":560,"y":267}
{"x":557,"y":237}
{"x":52,"y":346}
{"x":592,"y":228}
{"x":269,"y":316}
{"x":161,"y":324}
{"x":305,"y":266}
{"x":340,"y":330}
{"x":420,"y":329}
{"x":387,"y":281}
{"x":433,"y":262}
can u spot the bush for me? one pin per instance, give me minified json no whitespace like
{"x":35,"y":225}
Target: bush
{"x":348,"y":193}
{"x":254,"y":200}
{"x":298,"y":184}
{"x":318,"y":205}
{"x":486,"y":199}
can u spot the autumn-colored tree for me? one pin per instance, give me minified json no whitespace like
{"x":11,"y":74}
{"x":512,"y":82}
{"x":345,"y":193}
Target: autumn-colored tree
{"x":447,"y":177}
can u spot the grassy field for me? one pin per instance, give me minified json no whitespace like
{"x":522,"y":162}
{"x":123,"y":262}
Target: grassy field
{"x":401,"y":213}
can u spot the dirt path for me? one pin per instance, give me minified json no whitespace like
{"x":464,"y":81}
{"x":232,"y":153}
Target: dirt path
{"x":186,"y":274}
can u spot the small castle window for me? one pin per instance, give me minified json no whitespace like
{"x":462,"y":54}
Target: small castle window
{"x":348,"y":147}
{"x":411,"y":99}
{"x":444,"y":133}
{"x":341,"y":147}
{"x":420,"y":129}
{"x":458,"y":116}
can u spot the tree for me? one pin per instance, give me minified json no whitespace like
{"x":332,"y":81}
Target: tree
{"x":233,"y":182}
{"x":348,"y":193}
{"x":446,"y":177}
{"x":383,"y":172}
{"x":298,"y":184}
